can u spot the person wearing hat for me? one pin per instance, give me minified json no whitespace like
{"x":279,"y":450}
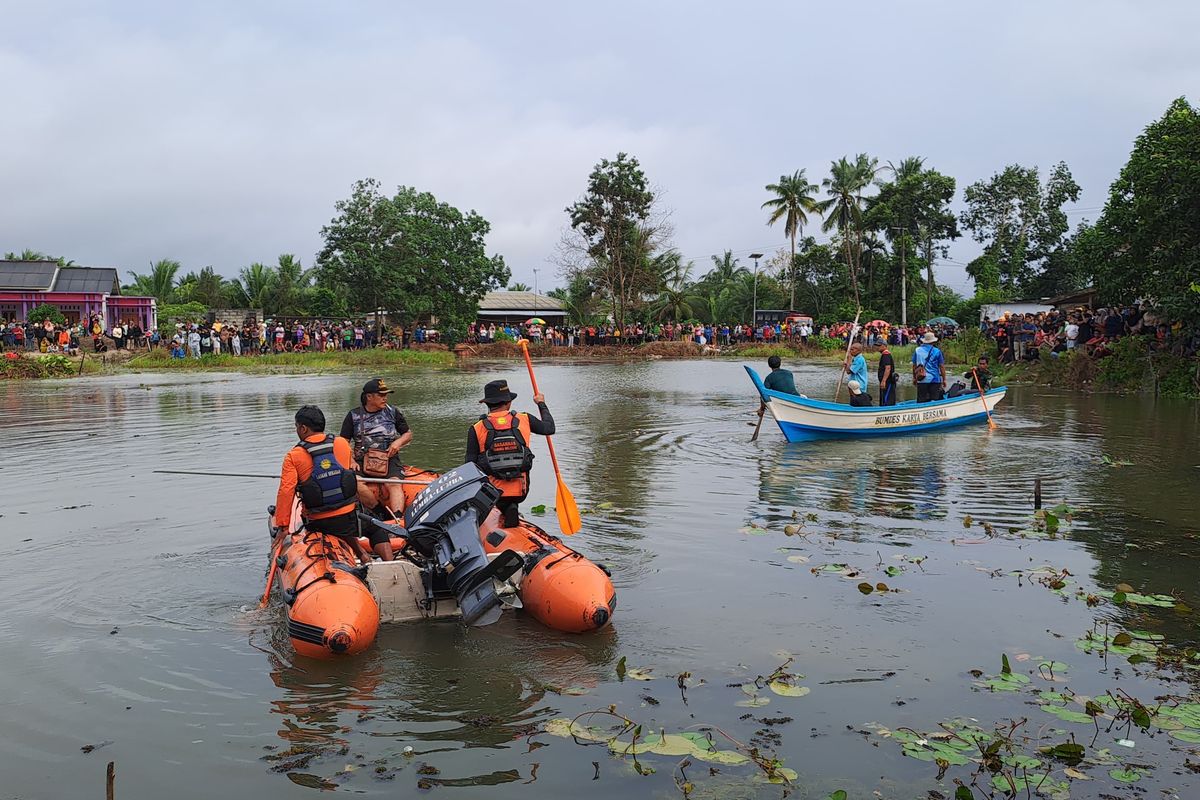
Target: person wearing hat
{"x":858,"y":398}
{"x":318,"y":469}
{"x":929,"y":369}
{"x":378,"y":431}
{"x":499,"y":444}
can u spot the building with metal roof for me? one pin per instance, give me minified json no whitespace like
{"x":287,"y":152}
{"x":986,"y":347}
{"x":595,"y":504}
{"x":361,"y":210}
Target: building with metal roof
{"x":78,"y":292}
{"x":516,"y":307}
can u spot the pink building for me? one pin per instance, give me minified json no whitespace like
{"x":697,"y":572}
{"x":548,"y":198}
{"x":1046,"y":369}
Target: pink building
{"x":78,"y":292}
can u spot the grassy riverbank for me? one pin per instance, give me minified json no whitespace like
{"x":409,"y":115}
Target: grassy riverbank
{"x":378,"y":358}
{"x":1132,"y":368}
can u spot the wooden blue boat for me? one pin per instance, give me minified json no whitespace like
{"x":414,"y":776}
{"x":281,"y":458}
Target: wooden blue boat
{"x":802,"y":419}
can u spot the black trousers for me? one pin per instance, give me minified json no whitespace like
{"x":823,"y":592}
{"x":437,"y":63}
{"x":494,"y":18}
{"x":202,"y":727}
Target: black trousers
{"x":928,"y":392}
{"x":887,"y":395}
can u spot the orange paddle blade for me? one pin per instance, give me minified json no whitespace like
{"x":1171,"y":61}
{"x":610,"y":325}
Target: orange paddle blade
{"x":567,"y":509}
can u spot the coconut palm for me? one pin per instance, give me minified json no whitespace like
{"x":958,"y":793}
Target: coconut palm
{"x":254,"y":286}
{"x":725,"y":270}
{"x":159,"y":282}
{"x":908,"y":168}
{"x":292,"y":283}
{"x":519,"y":287}
{"x":793,"y":202}
{"x":843,"y":210}
{"x":674,"y":300}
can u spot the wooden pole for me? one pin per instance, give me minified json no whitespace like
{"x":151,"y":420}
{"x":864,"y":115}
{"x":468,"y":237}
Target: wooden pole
{"x":109,"y":780}
{"x":1037,"y":493}
{"x":853,"y":330}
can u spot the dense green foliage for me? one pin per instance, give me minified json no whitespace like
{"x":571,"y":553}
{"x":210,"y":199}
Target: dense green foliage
{"x":47,"y":366}
{"x":408,"y":254}
{"x":1147,"y":241}
{"x":47,"y":312}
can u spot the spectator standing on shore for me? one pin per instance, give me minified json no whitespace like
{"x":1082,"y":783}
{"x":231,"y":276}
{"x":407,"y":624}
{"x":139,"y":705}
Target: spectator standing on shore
{"x":1072,"y":333}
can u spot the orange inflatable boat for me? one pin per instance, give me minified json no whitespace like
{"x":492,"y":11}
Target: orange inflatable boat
{"x":455,"y":560}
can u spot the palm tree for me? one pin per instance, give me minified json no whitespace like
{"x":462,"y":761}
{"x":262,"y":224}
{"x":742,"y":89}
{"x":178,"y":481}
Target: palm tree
{"x":159,"y":283}
{"x":793,"y":202}
{"x":843,"y":210}
{"x":254,"y":286}
{"x":725,"y":270}
{"x":872,"y":248}
{"x":519,"y":287}
{"x":908,"y":168}
{"x":292,"y":283}
{"x":674,"y":301}
{"x":27,"y":255}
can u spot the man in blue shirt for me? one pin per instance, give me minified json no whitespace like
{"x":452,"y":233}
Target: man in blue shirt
{"x":780,"y":380}
{"x":929,"y":369}
{"x":856,"y":366}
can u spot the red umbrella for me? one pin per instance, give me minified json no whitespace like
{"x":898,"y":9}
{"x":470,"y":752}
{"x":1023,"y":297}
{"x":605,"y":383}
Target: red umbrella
{"x":879,"y":323}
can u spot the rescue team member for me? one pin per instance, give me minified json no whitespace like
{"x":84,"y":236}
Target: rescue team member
{"x":378,"y":431}
{"x":499,"y":445}
{"x":318,"y":469}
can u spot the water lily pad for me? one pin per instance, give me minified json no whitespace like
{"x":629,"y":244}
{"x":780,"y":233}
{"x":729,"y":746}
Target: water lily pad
{"x":866,"y":588}
{"x":1189,"y":735}
{"x":1067,"y":714}
{"x":539,"y":509}
{"x":728,"y":757}
{"x":1125,"y":775}
{"x":1018,"y":761}
{"x":893,"y":570}
{"x":798,"y":559}
{"x":753,"y":702}
{"x":568,"y":730}
{"x":787,"y":689}
{"x":639,"y":673}
{"x":1133,"y":598}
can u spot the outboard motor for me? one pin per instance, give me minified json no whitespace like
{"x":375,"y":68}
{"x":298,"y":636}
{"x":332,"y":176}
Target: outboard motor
{"x":443,"y":525}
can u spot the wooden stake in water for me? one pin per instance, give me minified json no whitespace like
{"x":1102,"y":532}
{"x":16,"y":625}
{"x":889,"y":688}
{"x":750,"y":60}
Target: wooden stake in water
{"x":1037,"y":493}
{"x":109,"y":780}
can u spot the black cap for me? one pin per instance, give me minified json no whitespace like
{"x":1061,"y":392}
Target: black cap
{"x":496,"y":393}
{"x":312,"y":416}
{"x":376,"y":386}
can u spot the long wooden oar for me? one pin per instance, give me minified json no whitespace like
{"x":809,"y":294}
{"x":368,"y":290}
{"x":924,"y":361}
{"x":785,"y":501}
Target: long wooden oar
{"x":274,"y":565}
{"x":564,"y":502}
{"x":362,"y":478}
{"x":762,"y":412}
{"x":986,"y":410}
{"x":849,"y":343}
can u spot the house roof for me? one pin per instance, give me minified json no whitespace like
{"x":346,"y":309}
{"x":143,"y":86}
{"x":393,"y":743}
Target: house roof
{"x":519,"y":303}
{"x":100,"y":280}
{"x":29,"y":276}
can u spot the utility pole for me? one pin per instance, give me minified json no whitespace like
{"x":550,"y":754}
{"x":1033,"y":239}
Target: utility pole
{"x":903,"y":278}
{"x":754,"y":313}
{"x":535,"y":291}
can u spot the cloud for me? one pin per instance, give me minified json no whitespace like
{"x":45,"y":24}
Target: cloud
{"x":223,"y":134}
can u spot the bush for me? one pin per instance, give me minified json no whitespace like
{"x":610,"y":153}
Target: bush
{"x":14,"y":366}
{"x":47,"y":312}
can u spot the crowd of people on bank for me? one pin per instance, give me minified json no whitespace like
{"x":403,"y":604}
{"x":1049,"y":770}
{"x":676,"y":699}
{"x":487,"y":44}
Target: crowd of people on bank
{"x":48,"y":336}
{"x":1032,"y":336}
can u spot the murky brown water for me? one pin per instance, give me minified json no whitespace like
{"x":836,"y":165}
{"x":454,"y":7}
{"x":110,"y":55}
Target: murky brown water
{"x":127,"y":620}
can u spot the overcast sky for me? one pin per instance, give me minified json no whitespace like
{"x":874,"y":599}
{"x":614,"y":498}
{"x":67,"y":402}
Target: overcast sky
{"x":223,"y":133}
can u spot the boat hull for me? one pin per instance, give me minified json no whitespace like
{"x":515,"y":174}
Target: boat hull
{"x":802,"y":419}
{"x":333,"y":612}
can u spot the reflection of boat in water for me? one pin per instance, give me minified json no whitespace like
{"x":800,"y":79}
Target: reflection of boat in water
{"x":802,"y":419}
{"x":456,"y":560}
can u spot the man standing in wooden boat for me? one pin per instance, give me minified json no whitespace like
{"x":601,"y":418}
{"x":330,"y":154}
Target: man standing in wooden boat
{"x":318,"y":469}
{"x":499,"y":445}
{"x":378,"y":431}
{"x":929,"y":369}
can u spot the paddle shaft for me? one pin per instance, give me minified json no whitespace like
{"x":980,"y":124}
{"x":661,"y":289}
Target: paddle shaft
{"x":845,"y":362}
{"x":362,"y":478}
{"x":986,"y":410}
{"x":568,"y":515}
{"x":762,"y":412}
{"x":274,"y":565}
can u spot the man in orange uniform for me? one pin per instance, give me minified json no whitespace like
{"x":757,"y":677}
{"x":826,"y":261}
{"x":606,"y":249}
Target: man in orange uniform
{"x":499,"y":445}
{"x":318,"y":469}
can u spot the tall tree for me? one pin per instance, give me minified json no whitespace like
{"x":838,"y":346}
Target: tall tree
{"x":674,"y":301}
{"x":1019,"y":221}
{"x":159,"y":282}
{"x":913,"y":212}
{"x":409,"y":253}
{"x":794,"y":200}
{"x":289,"y":292}
{"x":27,"y":255}
{"x":615,"y":234}
{"x":254,"y":287}
{"x":1147,"y":241}
{"x":519,"y":287}
{"x":846,"y":186}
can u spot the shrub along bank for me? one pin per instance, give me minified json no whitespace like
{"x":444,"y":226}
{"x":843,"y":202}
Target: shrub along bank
{"x":1132,"y":367}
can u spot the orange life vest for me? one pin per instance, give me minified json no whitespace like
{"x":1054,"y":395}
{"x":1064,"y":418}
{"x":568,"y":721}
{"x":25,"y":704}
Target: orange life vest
{"x":493,"y":432}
